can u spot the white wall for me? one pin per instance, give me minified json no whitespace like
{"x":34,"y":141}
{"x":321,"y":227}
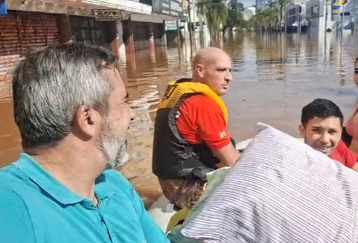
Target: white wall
{"x":318,"y":21}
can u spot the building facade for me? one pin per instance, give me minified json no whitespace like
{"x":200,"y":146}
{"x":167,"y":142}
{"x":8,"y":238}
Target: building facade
{"x":119,"y":25}
{"x":319,"y":17}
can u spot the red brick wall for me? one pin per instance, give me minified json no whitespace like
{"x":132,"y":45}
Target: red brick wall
{"x":20,"y":31}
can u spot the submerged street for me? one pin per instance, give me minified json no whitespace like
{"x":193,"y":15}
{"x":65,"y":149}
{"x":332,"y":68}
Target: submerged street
{"x":274,"y":76}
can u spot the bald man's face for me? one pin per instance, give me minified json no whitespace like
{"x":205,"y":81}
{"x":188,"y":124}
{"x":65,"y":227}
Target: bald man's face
{"x":215,"y":72}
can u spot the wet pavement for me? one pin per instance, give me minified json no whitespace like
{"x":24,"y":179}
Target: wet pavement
{"x":273,"y":78}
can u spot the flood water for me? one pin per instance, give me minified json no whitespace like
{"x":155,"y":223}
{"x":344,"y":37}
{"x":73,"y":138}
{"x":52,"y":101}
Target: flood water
{"x":274,"y":76}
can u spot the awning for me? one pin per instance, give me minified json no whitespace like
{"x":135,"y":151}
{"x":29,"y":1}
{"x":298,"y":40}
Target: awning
{"x":78,"y":7}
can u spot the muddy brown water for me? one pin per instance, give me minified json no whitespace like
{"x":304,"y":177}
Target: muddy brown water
{"x":273,"y":78}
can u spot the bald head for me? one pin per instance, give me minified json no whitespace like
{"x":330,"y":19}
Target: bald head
{"x":212,"y":66}
{"x":209,"y":55}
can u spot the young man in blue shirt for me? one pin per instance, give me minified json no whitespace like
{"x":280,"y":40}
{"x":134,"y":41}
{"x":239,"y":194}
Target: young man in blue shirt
{"x":70,"y":107}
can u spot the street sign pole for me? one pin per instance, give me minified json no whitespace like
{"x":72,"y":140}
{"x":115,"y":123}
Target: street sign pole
{"x":342,"y":20}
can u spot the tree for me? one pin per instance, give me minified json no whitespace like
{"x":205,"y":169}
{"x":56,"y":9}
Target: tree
{"x":235,"y":14}
{"x":215,"y":12}
{"x":272,"y":17}
{"x":283,"y":5}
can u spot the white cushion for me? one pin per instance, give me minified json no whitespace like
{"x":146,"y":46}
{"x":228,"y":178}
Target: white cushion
{"x":281,"y":190}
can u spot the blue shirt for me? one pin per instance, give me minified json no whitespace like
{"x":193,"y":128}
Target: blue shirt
{"x":35,"y":207}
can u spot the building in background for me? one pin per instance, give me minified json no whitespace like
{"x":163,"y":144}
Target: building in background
{"x":192,"y":18}
{"x":296,"y":18}
{"x":350,"y":17}
{"x":119,"y":25}
{"x":319,"y":17}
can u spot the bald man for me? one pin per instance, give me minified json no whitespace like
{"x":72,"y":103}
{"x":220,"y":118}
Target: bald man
{"x":190,"y":135}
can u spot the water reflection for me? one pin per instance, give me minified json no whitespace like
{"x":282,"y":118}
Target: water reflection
{"x":288,"y":73}
{"x":274,"y":76}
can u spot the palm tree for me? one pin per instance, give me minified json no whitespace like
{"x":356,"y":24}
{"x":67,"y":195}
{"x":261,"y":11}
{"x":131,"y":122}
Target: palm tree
{"x":273,"y":13}
{"x":283,"y":4}
{"x":216,"y":14}
{"x":271,"y":16}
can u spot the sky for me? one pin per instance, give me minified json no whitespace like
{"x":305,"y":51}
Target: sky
{"x":248,"y":3}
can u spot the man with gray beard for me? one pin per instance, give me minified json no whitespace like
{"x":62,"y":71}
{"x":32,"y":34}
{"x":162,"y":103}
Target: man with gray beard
{"x":70,"y":105}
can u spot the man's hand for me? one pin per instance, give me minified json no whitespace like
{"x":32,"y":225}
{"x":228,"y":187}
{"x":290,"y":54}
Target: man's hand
{"x":228,"y":155}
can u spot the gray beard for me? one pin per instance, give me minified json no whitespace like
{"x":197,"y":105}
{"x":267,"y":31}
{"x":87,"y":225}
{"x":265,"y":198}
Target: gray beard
{"x":114,"y":148}
{"x":121,"y":159}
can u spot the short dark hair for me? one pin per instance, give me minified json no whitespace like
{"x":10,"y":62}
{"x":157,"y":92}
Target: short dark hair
{"x":321,"y":108}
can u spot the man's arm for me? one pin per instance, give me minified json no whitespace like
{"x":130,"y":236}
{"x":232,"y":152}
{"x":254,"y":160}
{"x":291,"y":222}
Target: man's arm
{"x":227,"y":155}
{"x":15,"y":222}
{"x":202,"y":120}
{"x":152,"y":232}
{"x":213,"y":131}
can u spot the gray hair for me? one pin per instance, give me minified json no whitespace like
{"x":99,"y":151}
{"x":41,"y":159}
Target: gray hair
{"x":50,"y":85}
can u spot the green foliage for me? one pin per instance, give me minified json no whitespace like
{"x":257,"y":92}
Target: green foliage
{"x":271,"y":17}
{"x":219,"y":14}
{"x":235,"y":14}
{"x":216,"y":13}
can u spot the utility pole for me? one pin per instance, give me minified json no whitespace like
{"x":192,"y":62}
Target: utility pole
{"x":342,"y":21}
{"x":342,"y":14}
{"x":189,"y":26}
{"x":325,"y":27}
{"x":326,"y":17}
{"x":284,"y":16}
{"x":189,"y":21}
{"x":299,"y":10}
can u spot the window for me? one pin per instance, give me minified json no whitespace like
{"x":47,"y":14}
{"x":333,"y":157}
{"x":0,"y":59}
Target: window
{"x":89,"y":31}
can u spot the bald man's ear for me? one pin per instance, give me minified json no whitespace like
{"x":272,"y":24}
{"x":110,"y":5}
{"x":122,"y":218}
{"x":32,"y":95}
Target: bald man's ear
{"x":200,"y":70}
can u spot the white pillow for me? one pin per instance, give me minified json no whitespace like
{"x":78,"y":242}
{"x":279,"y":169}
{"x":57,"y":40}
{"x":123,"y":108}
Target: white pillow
{"x":280,"y":191}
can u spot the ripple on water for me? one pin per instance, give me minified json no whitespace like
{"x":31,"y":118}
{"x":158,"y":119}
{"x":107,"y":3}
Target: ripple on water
{"x":273,"y":78}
